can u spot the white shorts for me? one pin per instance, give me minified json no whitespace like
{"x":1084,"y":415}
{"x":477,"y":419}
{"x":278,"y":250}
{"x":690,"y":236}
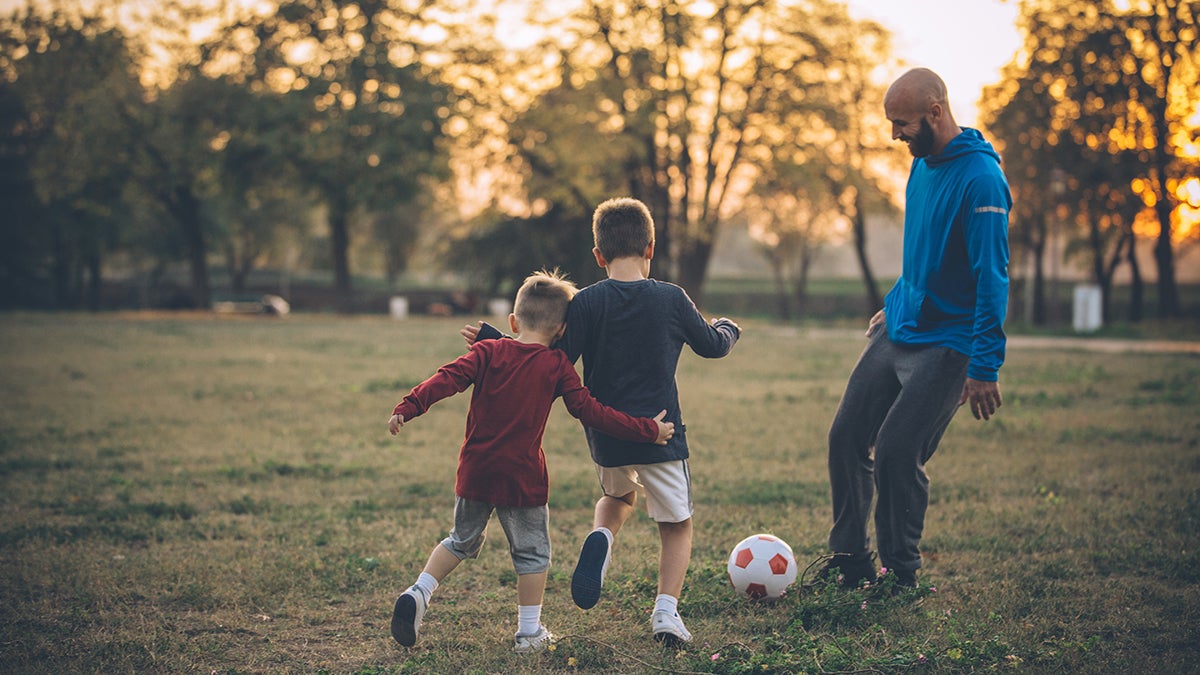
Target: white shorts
{"x":667,"y":487}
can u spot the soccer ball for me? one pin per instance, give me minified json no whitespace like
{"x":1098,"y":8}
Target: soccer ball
{"x":762,"y":566}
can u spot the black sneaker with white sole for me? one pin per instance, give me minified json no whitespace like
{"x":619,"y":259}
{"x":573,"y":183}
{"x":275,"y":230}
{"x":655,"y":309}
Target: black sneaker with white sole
{"x":589,"y":571}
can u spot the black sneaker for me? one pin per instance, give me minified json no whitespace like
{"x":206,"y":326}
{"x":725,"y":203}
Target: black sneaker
{"x":589,"y":571}
{"x":406,"y":617}
{"x":850,"y":570}
{"x":905,"y":579}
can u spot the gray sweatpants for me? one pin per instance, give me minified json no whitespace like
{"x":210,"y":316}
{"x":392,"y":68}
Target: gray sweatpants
{"x":898,"y":402}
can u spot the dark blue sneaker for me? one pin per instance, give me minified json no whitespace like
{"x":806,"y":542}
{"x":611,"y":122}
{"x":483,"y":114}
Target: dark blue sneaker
{"x":406,"y":617}
{"x":589,"y":571}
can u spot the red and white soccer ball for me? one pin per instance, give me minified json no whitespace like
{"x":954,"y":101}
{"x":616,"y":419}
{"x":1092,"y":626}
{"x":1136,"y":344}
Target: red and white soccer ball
{"x":762,"y":566}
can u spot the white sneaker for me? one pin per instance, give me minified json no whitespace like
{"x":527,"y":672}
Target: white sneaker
{"x":406,"y":617}
{"x":668,"y":628}
{"x":528,"y":644}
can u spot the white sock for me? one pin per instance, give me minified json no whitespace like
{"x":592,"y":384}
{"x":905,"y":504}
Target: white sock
{"x":426,"y":585}
{"x":529,"y":617}
{"x":666,"y":603}
{"x":607,"y":533}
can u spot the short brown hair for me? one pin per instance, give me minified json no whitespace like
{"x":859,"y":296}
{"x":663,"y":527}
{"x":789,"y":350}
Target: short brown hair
{"x":542,"y":300}
{"x":622,"y":228}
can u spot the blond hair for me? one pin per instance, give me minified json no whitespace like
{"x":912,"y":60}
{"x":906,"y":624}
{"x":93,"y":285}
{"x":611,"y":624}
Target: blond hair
{"x":542,"y":300}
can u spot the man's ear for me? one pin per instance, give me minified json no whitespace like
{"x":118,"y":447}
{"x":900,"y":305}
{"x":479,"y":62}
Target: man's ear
{"x":599,"y":257}
{"x":649,"y":253}
{"x":512,"y":324}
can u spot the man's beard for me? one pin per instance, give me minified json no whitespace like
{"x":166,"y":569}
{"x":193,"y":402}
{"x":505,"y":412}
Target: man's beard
{"x":922,"y":144}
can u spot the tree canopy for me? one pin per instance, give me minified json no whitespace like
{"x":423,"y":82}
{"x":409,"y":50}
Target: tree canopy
{"x":343,"y":136}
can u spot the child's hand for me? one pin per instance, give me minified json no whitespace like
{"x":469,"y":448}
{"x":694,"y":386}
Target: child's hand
{"x":395,"y":423}
{"x":470,"y":333}
{"x":728,"y":322}
{"x":665,"y":429}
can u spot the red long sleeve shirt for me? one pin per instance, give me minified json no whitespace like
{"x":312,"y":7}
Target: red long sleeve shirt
{"x":516,"y":383}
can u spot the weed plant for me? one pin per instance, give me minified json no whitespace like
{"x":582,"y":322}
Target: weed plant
{"x":190,"y":494}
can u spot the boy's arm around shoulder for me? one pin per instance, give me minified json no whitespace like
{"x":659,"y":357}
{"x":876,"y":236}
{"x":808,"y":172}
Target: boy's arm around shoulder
{"x":484,"y":331}
{"x":584,"y":407}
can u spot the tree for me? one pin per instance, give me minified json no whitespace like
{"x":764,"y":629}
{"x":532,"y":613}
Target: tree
{"x":1096,"y":100}
{"x":682,"y":103}
{"x":1164,"y":45}
{"x":369,"y":111}
{"x":180,"y":167}
{"x":791,"y":215}
{"x":856,"y":153}
{"x":259,"y":197}
{"x":67,"y":83}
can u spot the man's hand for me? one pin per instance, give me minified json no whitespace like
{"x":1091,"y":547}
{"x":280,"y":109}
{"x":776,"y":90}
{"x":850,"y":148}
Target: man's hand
{"x":665,"y":429}
{"x":984,"y":398}
{"x":395,"y":423}
{"x":875,"y":321}
{"x":470,"y":333}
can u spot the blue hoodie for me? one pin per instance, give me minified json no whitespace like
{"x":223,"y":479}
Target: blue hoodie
{"x":953,"y":288}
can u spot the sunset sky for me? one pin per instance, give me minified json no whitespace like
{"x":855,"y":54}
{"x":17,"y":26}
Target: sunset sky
{"x":967,"y":42}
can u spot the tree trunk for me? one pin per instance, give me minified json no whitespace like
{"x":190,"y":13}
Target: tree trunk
{"x":237,"y":278}
{"x":1164,"y":257}
{"x":94,"y":281}
{"x":1039,"y":286}
{"x":339,"y":235}
{"x":1099,"y":275}
{"x":663,"y":260}
{"x":1166,"y":38}
{"x":185,"y":207}
{"x":874,"y":300}
{"x":782,"y":296}
{"x":1136,"y":286}
{"x":801,"y":293}
{"x":693,"y":267}
{"x":60,"y":267}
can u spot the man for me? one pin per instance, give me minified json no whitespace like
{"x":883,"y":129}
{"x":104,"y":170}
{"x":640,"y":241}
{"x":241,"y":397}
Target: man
{"x":937,"y":343}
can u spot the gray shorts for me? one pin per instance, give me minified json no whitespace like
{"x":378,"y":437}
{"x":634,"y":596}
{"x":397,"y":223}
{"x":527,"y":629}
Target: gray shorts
{"x":527,"y":529}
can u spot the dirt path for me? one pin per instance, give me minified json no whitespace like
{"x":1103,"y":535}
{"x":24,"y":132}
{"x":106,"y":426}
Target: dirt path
{"x":1107,"y":345}
{"x":1091,"y":344}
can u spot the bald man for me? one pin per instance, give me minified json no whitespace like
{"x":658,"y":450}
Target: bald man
{"x":937,"y":343}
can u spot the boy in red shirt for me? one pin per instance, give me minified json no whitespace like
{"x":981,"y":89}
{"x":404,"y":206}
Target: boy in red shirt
{"x":501,"y":465}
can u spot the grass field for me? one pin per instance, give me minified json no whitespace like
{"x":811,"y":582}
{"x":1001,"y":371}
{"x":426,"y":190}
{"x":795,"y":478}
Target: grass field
{"x":193,"y":495}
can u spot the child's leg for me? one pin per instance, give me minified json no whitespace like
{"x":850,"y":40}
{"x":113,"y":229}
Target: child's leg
{"x":676,"y":554}
{"x":528,"y":532}
{"x":531,"y":635}
{"x":530,"y":589}
{"x":441,"y":562}
{"x":665,"y":622}
{"x":465,"y":540}
{"x":410,"y":607}
{"x":669,"y":502}
{"x":612,"y":512}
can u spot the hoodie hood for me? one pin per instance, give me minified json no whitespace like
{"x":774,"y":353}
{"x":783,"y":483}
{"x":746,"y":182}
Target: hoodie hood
{"x":970,"y":140}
